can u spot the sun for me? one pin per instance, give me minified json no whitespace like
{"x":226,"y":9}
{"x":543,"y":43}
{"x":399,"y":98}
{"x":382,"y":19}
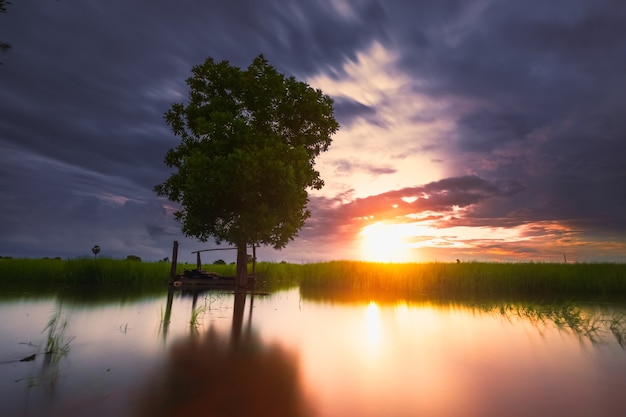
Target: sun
{"x":385,"y":242}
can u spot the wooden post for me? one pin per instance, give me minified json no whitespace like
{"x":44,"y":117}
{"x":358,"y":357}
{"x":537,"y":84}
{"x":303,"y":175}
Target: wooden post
{"x":241,"y":278}
{"x":253,"y":260}
{"x":174,"y":261}
{"x":198,"y":261}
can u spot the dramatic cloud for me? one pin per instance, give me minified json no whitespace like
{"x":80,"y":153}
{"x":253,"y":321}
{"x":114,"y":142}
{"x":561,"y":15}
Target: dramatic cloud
{"x":474,"y":130}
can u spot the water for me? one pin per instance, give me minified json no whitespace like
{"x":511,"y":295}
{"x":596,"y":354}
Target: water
{"x":290,"y":354}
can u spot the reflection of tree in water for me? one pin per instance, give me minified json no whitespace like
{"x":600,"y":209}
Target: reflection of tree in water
{"x":216,"y":374}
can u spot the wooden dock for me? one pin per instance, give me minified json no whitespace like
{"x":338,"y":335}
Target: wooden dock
{"x":198,"y":278}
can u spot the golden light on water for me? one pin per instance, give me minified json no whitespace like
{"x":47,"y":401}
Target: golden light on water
{"x":372,"y":318}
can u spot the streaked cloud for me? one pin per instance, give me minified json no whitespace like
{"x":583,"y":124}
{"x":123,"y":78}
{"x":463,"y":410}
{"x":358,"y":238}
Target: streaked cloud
{"x":472,"y":130}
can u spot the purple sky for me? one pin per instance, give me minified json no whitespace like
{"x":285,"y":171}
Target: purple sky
{"x":477,"y":130}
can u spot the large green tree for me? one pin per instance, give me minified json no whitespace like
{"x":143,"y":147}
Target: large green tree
{"x":249,"y":139}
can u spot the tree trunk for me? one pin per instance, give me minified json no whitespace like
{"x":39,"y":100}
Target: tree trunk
{"x":174,"y":260}
{"x":242,"y":266}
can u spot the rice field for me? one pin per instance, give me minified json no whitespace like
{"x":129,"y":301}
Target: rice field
{"x":602,"y":279}
{"x":469,"y":278}
{"x":56,"y":273}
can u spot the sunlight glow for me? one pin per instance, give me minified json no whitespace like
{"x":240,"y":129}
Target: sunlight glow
{"x":374,"y":80}
{"x":417,"y":241}
{"x":386,"y":242}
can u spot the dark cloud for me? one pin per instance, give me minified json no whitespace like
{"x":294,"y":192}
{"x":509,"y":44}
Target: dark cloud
{"x":530,"y":91}
{"x":347,"y":167}
{"x":336,"y":217}
{"x":348,"y":111}
{"x":441,"y":195}
{"x":548,"y":85}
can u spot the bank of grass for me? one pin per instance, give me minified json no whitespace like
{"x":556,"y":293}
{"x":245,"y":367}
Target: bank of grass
{"x":57,"y":273}
{"x":416,"y":278}
{"x":602,"y":279}
{"x":54,"y":274}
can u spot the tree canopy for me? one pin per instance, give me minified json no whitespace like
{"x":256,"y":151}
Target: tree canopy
{"x":249,"y":139}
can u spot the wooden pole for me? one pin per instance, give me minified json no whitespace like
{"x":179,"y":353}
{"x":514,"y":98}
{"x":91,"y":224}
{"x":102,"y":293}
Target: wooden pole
{"x":174,"y":260}
{"x":198,"y":261}
{"x":241,"y":279}
{"x":214,"y":249}
{"x":253,"y":259}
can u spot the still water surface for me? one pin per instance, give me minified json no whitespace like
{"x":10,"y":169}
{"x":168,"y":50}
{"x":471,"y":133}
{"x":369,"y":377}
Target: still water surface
{"x":287,"y":354}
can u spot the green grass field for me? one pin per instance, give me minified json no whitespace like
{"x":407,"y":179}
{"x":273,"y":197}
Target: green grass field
{"x":471,"y":277}
{"x":442,"y":278}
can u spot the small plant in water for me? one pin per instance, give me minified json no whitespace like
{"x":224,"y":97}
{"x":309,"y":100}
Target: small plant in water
{"x":195,"y":315}
{"x":57,"y":342}
{"x":55,"y":346}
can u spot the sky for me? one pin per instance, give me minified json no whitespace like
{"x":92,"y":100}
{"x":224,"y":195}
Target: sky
{"x":485,"y":130}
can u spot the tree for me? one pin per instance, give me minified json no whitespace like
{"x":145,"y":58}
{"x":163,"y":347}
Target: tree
{"x":95,"y":250}
{"x":249,"y":139}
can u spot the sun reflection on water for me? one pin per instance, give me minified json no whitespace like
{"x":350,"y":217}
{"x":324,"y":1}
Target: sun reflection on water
{"x":306,"y":354}
{"x":374,"y":331}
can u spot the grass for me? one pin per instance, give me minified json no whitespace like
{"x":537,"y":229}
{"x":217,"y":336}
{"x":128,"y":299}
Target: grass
{"x":51,"y":275}
{"x":596,"y":279}
{"x":56,"y":273}
{"x":195,"y":317}
{"x":602,"y":279}
{"x":57,"y":343}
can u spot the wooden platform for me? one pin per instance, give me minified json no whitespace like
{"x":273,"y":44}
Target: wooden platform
{"x":206,"y":279}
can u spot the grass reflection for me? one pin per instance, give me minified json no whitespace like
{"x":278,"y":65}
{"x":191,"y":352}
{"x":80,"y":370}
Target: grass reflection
{"x":587,"y":323}
{"x":581,"y":318}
